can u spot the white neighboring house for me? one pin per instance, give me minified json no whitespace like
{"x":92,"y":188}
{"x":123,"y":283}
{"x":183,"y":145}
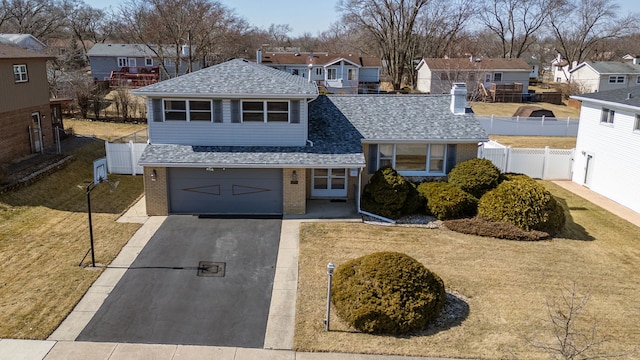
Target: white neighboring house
{"x":560,"y":70}
{"x":607,"y":156}
{"x":592,"y":76}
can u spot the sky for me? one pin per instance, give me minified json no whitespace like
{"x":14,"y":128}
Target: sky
{"x":312,"y":16}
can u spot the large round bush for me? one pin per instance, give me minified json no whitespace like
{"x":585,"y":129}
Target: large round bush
{"x":475,"y":176}
{"x":388,"y":194}
{"x":387,"y":293}
{"x":524,"y":203}
{"x":446,"y":201}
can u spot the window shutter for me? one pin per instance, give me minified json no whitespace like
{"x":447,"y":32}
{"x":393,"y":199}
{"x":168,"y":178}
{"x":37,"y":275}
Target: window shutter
{"x":294,"y":112}
{"x":157,"y":110}
{"x":217,"y":111}
{"x":235,"y":111}
{"x":451,"y":156}
{"x":373,"y":158}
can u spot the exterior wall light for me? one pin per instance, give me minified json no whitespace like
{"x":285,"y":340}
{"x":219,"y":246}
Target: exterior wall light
{"x":294,"y":177}
{"x":154,"y":175}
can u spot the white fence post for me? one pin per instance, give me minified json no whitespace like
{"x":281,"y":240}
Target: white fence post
{"x":545,"y":163}
{"x":133,"y":158}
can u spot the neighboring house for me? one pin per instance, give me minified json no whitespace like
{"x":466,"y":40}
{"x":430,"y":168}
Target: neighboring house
{"x":436,"y":76}
{"x":24,"y":41}
{"x":24,"y":104}
{"x":337,"y":73}
{"x":592,"y":76}
{"x":135,"y":63}
{"x":243,"y":138}
{"x":607,"y":156}
{"x":560,"y":70}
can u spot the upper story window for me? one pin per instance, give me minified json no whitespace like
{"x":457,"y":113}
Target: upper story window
{"x":265,"y":111}
{"x":616,"y":79}
{"x":638,"y":80}
{"x":607,"y":116}
{"x":636,"y":124}
{"x":352,"y":74}
{"x":332,"y":74}
{"x":497,"y":77}
{"x":148,"y":62}
{"x":412,"y":159}
{"x":188,"y":110}
{"x":20,"y":73}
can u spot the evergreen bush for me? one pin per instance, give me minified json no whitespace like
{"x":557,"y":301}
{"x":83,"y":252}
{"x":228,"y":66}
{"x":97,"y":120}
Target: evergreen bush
{"x":475,"y":176}
{"x":445,"y":201}
{"x":388,"y":194}
{"x":387,"y":293}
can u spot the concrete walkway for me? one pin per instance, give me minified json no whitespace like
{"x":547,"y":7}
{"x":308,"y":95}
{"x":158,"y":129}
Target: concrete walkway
{"x":281,"y":322}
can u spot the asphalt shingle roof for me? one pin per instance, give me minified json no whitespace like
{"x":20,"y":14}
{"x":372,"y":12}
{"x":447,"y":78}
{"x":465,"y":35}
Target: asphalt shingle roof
{"x":318,"y":59}
{"x":626,"y":96}
{"x":482,"y":64}
{"x":112,"y":50}
{"x":611,"y":67}
{"x":14,"y":52}
{"x":402,"y":117}
{"x":235,"y":77}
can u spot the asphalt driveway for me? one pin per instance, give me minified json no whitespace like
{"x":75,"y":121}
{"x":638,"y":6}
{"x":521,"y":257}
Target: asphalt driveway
{"x":169,"y":296}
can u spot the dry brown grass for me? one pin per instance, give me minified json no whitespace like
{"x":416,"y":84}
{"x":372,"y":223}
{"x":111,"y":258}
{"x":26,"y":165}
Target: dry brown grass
{"x":508,"y":109}
{"x":44,"y":235}
{"x":504,"y":283}
{"x":107,"y":131}
{"x":554,"y":142}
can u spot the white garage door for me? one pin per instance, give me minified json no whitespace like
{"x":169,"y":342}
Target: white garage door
{"x":229,"y":191}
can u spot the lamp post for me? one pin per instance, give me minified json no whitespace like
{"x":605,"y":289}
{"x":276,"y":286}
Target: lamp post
{"x":330,"y":268}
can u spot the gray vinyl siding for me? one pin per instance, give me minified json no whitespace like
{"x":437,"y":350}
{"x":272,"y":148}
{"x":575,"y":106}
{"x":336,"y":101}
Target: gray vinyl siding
{"x":227,"y":133}
{"x":101,"y":67}
{"x":369,"y":74}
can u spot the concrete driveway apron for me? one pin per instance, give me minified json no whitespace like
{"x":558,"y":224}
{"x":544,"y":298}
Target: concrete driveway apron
{"x":168,"y":296}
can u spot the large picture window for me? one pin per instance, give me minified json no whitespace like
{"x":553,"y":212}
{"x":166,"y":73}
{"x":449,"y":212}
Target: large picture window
{"x":332,"y":74}
{"x":265,"y":111}
{"x":20,"y":73}
{"x":413,"y":159}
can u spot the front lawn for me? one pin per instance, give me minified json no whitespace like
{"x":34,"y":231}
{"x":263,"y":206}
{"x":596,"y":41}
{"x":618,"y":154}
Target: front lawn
{"x":44,"y":234}
{"x":501,"y":287}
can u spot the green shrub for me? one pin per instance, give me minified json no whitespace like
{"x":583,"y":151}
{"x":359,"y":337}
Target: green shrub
{"x":475,"y":176}
{"x":514,"y":176}
{"x":501,"y":230}
{"x":446,"y":201}
{"x":387,"y":292}
{"x":524,"y":203}
{"x":388,"y":194}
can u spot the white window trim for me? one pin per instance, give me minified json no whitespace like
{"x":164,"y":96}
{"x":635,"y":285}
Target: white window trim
{"x":415,"y":173}
{"x":122,"y":61}
{"x":23,"y":75}
{"x":613,"y":79}
{"x":319,"y":71}
{"x":148,"y":61}
{"x":265,"y":111}
{"x":335,"y":73}
{"x":636,"y":124}
{"x":610,"y":117}
{"x":353,"y":71}
{"x":501,"y":76}
{"x":187,"y":110}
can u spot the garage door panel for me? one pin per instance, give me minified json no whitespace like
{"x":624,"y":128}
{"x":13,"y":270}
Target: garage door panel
{"x":231,"y":191}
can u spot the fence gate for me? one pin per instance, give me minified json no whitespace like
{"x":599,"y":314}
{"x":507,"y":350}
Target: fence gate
{"x":123,"y":158}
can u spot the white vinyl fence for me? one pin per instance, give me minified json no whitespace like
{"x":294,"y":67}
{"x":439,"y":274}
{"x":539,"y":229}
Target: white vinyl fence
{"x":548,"y":164}
{"x":528,"y":126}
{"x":123,"y":158}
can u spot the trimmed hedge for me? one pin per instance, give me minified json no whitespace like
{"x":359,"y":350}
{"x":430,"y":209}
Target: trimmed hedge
{"x":445,"y":201}
{"x":388,"y":194}
{"x":387,"y":293}
{"x":524,"y":203}
{"x":475,"y":176}
{"x":500,"y":230}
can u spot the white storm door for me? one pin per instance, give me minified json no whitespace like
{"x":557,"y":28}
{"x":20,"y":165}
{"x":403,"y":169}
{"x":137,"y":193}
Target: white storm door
{"x":329,"y":182}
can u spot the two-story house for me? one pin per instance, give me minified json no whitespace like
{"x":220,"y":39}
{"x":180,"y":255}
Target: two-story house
{"x":136,"y":64}
{"x":337,"y":73}
{"x":607,"y":152}
{"x":592,"y":76}
{"x":24,"y":103}
{"x":244,"y":138}
{"x":436,"y":76}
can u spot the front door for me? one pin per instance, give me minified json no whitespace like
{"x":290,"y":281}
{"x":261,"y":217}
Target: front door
{"x":36,"y":132}
{"x":329,"y":183}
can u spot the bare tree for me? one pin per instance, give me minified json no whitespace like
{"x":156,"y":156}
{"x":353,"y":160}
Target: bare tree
{"x":392,"y":24}
{"x":279,"y":34}
{"x":91,"y":25}
{"x":43,"y":19}
{"x":165,"y":26}
{"x":581,"y":26}
{"x":515,"y":22}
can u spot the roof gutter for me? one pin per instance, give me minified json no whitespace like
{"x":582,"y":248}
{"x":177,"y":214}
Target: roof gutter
{"x":606,"y":103}
{"x":249,"y":165}
{"x":224,"y":96}
{"x":434,"y":141}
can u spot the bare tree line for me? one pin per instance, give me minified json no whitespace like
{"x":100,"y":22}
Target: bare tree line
{"x":398,"y":31}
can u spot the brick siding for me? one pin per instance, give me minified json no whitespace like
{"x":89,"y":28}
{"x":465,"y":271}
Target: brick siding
{"x":156,"y":192}
{"x":15,"y":142}
{"x":294,"y":195}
